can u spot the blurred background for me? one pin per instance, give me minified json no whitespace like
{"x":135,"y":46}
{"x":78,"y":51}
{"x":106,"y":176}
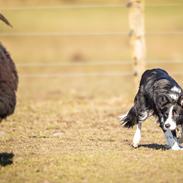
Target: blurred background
{"x":80,"y":48}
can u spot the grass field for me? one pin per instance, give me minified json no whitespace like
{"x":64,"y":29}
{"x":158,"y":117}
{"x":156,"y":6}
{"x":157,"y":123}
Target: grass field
{"x":60,"y":135}
{"x":66,"y":129}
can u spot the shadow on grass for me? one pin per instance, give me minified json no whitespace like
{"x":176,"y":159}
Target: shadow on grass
{"x":154,"y":146}
{"x":6,"y":158}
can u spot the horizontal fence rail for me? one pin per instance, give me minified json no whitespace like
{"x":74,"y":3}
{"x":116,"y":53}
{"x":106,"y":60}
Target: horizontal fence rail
{"x":78,"y":74}
{"x":84,"y":34}
{"x":84,"y":74}
{"x":90,"y":74}
{"x":95,"y":63}
{"x":87,"y":34}
{"x":90,"y":6}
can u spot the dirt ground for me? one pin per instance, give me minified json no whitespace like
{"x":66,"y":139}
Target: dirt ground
{"x":59,"y":134}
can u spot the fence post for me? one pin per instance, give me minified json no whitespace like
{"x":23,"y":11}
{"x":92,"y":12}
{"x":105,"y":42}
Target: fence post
{"x":137,"y":40}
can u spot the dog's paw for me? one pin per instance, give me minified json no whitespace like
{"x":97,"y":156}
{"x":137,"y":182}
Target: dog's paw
{"x":135,"y":145}
{"x":176,"y":147}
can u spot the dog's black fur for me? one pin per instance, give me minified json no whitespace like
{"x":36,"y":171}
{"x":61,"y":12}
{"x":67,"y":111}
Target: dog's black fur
{"x":154,"y":98}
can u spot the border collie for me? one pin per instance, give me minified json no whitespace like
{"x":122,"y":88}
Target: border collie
{"x":158,"y":95}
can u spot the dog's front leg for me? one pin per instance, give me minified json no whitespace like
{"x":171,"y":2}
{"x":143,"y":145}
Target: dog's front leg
{"x":172,"y":141}
{"x":137,"y":136}
{"x":180,"y":130}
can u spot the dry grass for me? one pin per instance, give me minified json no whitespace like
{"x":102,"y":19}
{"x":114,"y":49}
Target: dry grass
{"x":67,"y":132}
{"x":66,"y":129}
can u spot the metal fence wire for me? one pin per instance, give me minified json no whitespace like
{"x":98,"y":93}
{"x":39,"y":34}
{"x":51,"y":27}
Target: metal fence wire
{"x":88,"y":34}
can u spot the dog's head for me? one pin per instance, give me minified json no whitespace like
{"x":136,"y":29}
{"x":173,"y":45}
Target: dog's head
{"x":172,"y":112}
{"x":173,"y":115}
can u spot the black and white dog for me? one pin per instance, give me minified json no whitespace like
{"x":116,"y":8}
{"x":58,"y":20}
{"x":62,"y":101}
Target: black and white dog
{"x":158,"y":95}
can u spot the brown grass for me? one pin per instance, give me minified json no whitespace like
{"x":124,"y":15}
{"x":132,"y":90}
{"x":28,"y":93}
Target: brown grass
{"x":66,"y":129}
{"x":68,"y":132}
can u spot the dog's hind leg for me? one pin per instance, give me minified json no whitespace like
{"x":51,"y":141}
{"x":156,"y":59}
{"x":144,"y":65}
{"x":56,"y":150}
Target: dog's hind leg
{"x":137,"y":136}
{"x":142,"y":116}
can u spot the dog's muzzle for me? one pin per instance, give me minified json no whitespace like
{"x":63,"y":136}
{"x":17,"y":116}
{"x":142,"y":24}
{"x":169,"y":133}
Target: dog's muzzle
{"x":171,"y":126}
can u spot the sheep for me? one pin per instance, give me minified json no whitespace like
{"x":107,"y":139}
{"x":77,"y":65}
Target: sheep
{"x":8,"y":80}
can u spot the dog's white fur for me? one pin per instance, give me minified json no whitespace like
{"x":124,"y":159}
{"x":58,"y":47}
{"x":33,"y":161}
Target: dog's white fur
{"x":170,"y":120}
{"x":175,"y":89}
{"x":137,"y":136}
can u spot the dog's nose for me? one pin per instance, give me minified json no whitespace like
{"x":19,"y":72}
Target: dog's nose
{"x":167,"y":125}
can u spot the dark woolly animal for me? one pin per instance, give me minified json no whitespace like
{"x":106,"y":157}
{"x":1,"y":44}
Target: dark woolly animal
{"x":8,"y":81}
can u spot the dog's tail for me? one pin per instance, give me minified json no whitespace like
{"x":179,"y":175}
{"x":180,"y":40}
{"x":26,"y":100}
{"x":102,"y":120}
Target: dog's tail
{"x":130,"y":119}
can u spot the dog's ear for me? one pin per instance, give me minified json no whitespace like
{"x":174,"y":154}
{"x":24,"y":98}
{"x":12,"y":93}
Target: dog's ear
{"x":180,"y":100}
